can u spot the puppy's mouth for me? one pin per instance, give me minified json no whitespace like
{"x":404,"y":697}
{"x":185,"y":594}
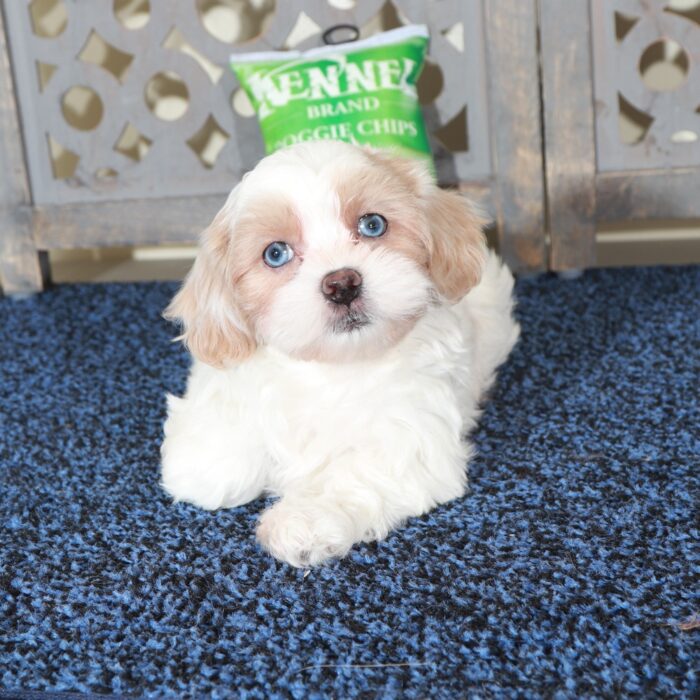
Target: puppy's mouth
{"x":348,"y":319}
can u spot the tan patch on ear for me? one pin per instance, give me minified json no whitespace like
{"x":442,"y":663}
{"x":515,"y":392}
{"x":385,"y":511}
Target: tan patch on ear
{"x":206,"y":306}
{"x":458,"y":249}
{"x":265,"y":220}
{"x":391,"y":186}
{"x":437,"y":229}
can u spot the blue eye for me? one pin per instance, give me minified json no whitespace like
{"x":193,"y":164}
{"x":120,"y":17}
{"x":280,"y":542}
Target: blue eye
{"x":277,"y":254}
{"x":371,"y":225}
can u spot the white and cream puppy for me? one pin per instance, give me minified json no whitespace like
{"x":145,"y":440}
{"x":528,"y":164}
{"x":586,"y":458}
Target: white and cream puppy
{"x":346,"y":320}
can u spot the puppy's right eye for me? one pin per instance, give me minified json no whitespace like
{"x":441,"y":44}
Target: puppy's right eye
{"x":372,"y":225}
{"x":277,"y":254}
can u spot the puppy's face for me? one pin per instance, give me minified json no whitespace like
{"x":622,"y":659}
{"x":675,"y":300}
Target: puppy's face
{"x":327,"y":252}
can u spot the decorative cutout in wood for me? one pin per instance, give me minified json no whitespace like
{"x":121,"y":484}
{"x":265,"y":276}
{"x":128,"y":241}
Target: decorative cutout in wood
{"x":647,"y":83}
{"x":130,"y":99}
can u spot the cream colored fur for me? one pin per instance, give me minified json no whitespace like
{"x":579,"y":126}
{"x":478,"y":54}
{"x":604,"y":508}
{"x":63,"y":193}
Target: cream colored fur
{"x":357,"y":431}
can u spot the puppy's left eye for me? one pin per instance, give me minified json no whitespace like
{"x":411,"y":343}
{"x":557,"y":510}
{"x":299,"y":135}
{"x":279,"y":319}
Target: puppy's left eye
{"x":277,"y":254}
{"x":371,"y":225}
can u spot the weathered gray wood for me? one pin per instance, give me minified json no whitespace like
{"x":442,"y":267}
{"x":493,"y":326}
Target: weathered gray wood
{"x":464,"y":84}
{"x":655,"y":178}
{"x":137,"y":222}
{"x":651,"y":194}
{"x":171,"y":168}
{"x":617,"y":71}
{"x":516,"y":132}
{"x":567,"y":90}
{"x":20,"y":271}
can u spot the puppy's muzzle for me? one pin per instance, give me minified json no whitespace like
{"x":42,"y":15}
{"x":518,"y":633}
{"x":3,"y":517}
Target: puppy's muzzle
{"x":342,"y":286}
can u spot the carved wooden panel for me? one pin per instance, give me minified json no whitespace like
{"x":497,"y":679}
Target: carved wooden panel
{"x":124,"y":99}
{"x":647,"y":83}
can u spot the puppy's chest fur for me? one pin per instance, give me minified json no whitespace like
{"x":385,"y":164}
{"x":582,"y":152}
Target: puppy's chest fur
{"x":304,"y":414}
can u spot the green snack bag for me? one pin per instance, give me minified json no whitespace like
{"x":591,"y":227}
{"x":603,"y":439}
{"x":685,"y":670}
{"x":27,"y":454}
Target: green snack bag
{"x":363,"y":92}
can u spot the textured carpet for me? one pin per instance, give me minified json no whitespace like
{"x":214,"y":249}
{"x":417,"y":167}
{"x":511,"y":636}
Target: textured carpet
{"x":564,"y":573}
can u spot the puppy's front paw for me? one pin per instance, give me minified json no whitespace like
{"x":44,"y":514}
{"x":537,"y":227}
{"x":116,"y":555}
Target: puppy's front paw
{"x":305,"y":533}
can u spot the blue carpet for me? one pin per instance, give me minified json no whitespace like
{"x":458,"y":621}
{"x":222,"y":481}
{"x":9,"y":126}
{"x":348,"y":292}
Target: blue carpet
{"x":564,"y":572}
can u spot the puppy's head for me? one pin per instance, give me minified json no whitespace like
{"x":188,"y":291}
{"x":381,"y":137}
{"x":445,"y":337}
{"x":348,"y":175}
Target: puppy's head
{"x":326,"y":251}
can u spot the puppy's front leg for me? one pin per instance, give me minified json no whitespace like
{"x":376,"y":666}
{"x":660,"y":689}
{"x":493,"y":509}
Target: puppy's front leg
{"x":354,"y":500}
{"x":211,"y":457}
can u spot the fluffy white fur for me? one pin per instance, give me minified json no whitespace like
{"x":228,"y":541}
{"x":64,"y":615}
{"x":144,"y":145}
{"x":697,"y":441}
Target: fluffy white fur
{"x":355,"y":444}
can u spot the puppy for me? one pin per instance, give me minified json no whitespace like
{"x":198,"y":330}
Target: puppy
{"x":346,"y":320}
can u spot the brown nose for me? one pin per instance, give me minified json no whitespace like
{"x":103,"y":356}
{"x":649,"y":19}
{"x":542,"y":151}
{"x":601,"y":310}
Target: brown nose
{"x":342,"y":286}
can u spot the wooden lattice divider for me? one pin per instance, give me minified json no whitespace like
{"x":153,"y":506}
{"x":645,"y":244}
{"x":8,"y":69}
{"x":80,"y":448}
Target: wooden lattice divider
{"x":596,"y":59}
{"x":124,"y":174}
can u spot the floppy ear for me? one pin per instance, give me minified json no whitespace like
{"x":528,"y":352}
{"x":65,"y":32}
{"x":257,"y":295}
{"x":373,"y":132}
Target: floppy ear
{"x":457,"y":246}
{"x":455,"y":242}
{"x":206,"y":306}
